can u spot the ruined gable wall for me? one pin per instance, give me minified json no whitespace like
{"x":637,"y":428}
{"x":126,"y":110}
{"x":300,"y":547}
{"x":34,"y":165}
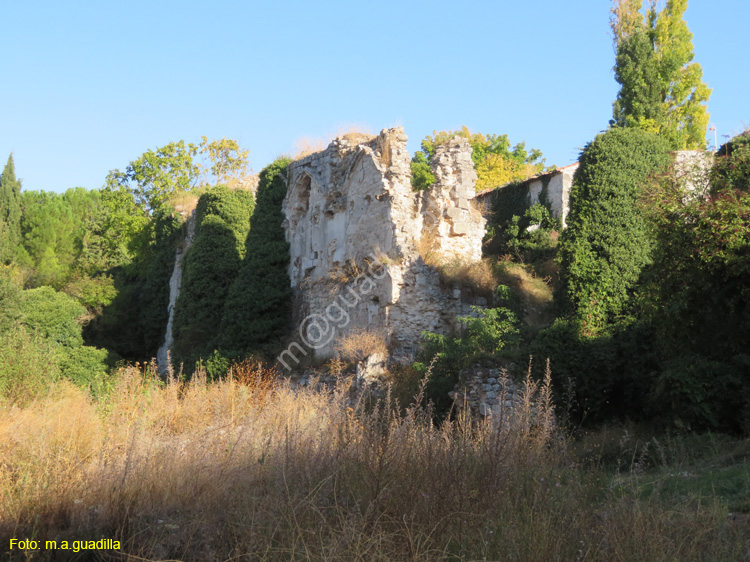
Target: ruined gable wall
{"x":355,"y":226}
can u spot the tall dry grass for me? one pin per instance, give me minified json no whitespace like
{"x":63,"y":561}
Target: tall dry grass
{"x":353,"y":132}
{"x":244,"y":469}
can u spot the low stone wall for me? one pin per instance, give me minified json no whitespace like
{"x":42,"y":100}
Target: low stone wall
{"x":487,"y":392}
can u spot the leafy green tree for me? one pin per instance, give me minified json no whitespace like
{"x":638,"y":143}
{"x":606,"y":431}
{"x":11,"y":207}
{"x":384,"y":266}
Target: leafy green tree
{"x":56,"y":318}
{"x":228,"y":161}
{"x":10,"y":212}
{"x":157,"y":174}
{"x":495,"y":161}
{"x":661,"y":88}
{"x":257,"y":307}
{"x":116,"y":234}
{"x":607,"y":243}
{"x":54,"y":315}
{"x":57,"y":231}
{"x":133,"y":320}
{"x":175,"y":167}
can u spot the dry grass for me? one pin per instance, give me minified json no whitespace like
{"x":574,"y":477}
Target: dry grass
{"x":478,"y":276}
{"x":352,"y":132}
{"x":305,"y":146}
{"x":536,"y":294}
{"x":219,"y":471}
{"x":359,"y":345}
{"x":185,"y":201}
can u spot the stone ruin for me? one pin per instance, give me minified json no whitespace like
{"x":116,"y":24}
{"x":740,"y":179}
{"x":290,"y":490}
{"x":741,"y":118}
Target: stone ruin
{"x":358,"y":236}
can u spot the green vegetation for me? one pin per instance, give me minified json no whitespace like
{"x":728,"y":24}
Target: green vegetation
{"x":731,"y":169}
{"x":495,"y":161}
{"x":209,"y":270}
{"x":486,"y":334}
{"x":606,"y":245}
{"x":702,"y":271}
{"x":661,"y":88}
{"x":10,"y":213}
{"x":173,"y":168}
{"x":256,"y":314}
{"x":649,"y":322}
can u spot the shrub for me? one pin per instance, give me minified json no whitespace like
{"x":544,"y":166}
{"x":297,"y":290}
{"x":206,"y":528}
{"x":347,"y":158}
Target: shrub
{"x":607,"y":244}
{"x":28,"y":365}
{"x":87,"y":367}
{"x":53,"y":315}
{"x":698,"y":295}
{"x":360,"y":344}
{"x":731,"y":169}
{"x":487,"y":333}
{"x":599,"y":378}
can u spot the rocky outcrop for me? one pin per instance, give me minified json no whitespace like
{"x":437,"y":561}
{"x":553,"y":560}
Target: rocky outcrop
{"x":357,"y":234}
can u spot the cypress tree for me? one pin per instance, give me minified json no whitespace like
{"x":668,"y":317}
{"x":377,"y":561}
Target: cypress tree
{"x":10,"y":212}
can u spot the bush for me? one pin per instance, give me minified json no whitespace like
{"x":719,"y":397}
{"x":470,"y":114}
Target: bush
{"x":28,"y":365}
{"x":607,"y":243}
{"x":698,"y":294}
{"x":54,"y":316}
{"x":731,"y":169}
{"x":601,"y":378}
{"x":87,"y":367}
{"x":487,"y":333}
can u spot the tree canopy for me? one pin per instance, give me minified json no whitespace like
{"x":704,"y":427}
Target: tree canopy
{"x":175,"y":167}
{"x":661,"y":89}
{"x":496,"y":162}
{"x":10,"y":212}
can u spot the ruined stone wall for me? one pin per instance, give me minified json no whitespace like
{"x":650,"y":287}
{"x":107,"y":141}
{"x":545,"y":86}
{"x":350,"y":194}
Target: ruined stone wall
{"x":355,"y":230}
{"x":554,"y":185}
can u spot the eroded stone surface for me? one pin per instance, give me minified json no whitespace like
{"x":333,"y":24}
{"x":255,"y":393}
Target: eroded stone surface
{"x":356,"y":229}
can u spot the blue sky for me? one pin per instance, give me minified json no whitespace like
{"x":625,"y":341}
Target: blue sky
{"x":89,"y":86}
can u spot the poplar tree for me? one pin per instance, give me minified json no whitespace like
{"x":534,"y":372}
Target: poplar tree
{"x":661,"y":88}
{"x":10,"y":212}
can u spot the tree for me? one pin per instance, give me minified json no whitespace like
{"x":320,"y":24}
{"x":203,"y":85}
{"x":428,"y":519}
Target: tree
{"x":496,"y":163}
{"x":158,"y":174}
{"x":10,"y":212}
{"x":661,"y":88}
{"x":607,"y":244}
{"x":257,"y":306}
{"x":698,"y":294}
{"x":209,"y":270}
{"x":228,"y":161}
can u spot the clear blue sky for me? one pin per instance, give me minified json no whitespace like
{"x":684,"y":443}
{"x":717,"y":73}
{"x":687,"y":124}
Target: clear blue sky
{"x":89,"y":86}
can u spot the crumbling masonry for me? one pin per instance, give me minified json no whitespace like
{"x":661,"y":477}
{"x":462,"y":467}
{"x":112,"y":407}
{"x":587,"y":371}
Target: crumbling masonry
{"x":357,"y":233}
